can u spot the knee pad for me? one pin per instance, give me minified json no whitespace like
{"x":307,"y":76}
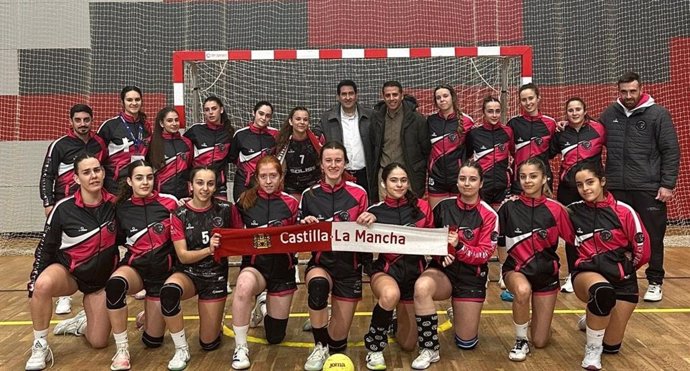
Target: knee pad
{"x":602,"y":298}
{"x":466,"y":344}
{"x":275,"y":329}
{"x":612,"y":349}
{"x":318,"y":289}
{"x":151,"y":341}
{"x":170,"y":299}
{"x":116,"y":292}
{"x":213,"y":345}
{"x":337,"y":346}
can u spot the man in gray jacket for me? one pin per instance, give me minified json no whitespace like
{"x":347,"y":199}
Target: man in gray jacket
{"x":642,"y":165}
{"x":348,"y":123}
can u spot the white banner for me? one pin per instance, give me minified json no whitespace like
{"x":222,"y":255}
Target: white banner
{"x":389,"y":238}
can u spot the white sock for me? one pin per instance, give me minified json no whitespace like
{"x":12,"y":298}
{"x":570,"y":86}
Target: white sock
{"x":240,"y":335}
{"x":179,"y":339}
{"x":40,"y":334}
{"x":121,"y":339}
{"x":521,"y":330}
{"x":595,"y":337}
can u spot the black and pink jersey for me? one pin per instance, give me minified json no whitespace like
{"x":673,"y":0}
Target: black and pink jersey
{"x":342,"y":202}
{"x":211,"y":147}
{"x":577,"y":147}
{"x":127,"y":139}
{"x":145,"y":225}
{"x":447,"y":147}
{"x":604,"y":232}
{"x":178,"y":159}
{"x":195,"y":226}
{"x":532,"y":136}
{"x":530,"y":226}
{"x":249,"y":145}
{"x":57,"y":174}
{"x":302,"y":168}
{"x":492,"y":146}
{"x":477,"y":227}
{"x":80,"y":237}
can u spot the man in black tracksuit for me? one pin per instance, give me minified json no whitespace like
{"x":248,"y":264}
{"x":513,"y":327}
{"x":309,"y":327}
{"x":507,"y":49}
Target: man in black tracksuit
{"x":642,"y":165}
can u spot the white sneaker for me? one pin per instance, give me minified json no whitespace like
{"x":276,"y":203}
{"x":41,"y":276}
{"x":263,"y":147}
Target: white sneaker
{"x":72,"y":326}
{"x":501,"y":283}
{"x":592,"y":360}
{"x":582,"y":323}
{"x":240,"y":359}
{"x":121,"y":360}
{"x":653,"y":293}
{"x":229,"y":289}
{"x":317,"y":358}
{"x":259,"y":311}
{"x":141,"y":295}
{"x":179,"y":360}
{"x":425,"y":359}
{"x":449,"y":313}
{"x":519,"y":351}
{"x":568,"y":285}
{"x":63,"y":305}
{"x":140,"y":321}
{"x":375,"y":361}
{"x":40,"y":355}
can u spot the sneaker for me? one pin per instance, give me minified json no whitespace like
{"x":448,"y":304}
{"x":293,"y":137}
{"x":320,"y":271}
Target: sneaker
{"x":179,"y":360}
{"x":501,"y":283}
{"x":259,"y":311}
{"x":653,"y":293}
{"x":121,"y":360}
{"x":229,"y":289}
{"x":240,"y":359}
{"x":140,"y":321}
{"x":568,"y":285}
{"x":72,"y":326}
{"x":592,"y":360}
{"x":307,"y":325}
{"x":582,"y":323}
{"x":63,"y":305}
{"x":141,"y":295}
{"x":40,"y":355}
{"x":449,"y":313}
{"x":375,"y":361}
{"x":519,"y":351}
{"x":317,"y":358}
{"x":425,"y":359}
{"x":506,"y":295}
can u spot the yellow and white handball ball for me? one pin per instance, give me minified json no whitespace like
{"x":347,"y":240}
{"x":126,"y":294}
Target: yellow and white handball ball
{"x":338,"y":362}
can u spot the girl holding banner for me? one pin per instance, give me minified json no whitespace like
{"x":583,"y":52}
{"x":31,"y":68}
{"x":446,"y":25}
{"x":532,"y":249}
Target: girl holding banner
{"x":339,"y":274}
{"x":473,"y":233}
{"x":263,"y":205}
{"x":393,"y":276}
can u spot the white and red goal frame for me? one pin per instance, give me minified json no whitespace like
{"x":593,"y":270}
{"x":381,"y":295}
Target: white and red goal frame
{"x":181,"y":57}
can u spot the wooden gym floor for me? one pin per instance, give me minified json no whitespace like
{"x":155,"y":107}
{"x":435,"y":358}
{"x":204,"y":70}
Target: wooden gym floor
{"x":658,"y":336}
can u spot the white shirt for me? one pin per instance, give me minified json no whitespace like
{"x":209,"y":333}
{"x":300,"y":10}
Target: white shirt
{"x":352,"y":141}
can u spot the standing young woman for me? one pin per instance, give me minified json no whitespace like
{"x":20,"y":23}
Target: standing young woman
{"x":78,"y":251}
{"x":579,"y":143}
{"x":171,"y":154}
{"x":298,"y":150}
{"x":393,"y":276}
{"x":473,"y":232}
{"x":211,"y":140}
{"x":197,"y":273}
{"x":250,"y":144}
{"x":530,"y":226}
{"x":338,"y":274}
{"x":143,"y":217}
{"x":612,"y":243}
{"x":447,"y":130}
{"x":263,"y":205}
{"x":532,"y":132}
{"x":126,"y":136}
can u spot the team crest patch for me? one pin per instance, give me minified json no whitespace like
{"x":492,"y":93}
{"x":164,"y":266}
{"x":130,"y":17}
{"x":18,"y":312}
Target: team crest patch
{"x":344,"y":216}
{"x":542,"y":233}
{"x":262,"y":241}
{"x":468,"y":234}
{"x":586,"y":144}
{"x":221,"y":147}
{"x":639,"y":237}
{"x":641,"y":125}
{"x":494,"y":236}
{"x":539,"y":140}
{"x":158,"y":228}
{"x":453,"y":137}
{"x":501,"y":147}
{"x":217,"y":222}
{"x":111,"y":227}
{"x":605,"y":235}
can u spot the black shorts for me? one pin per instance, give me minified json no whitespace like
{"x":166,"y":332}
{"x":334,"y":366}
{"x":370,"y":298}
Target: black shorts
{"x":405,"y":270}
{"x":209,"y":288}
{"x":347,"y":280}
{"x":468,"y":281}
{"x":88,"y":287}
{"x":441,"y":188}
{"x":541,"y":272}
{"x":616,"y":268}
{"x":277,"y":269}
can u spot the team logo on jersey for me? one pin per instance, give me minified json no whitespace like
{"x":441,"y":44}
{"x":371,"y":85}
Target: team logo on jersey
{"x":158,"y":228}
{"x":586,"y":144}
{"x":262,"y":241}
{"x":501,"y":147}
{"x":468,"y":234}
{"x":344,"y":216}
{"x":110,"y":227}
{"x":639,"y":237}
{"x":494,"y":236}
{"x":221,"y":147}
{"x":605,"y":235}
{"x":539,"y":140}
{"x":452,"y":137}
{"x":641,"y":125}
{"x":217,"y":222}
{"x":542,"y":233}
{"x":183,"y":156}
